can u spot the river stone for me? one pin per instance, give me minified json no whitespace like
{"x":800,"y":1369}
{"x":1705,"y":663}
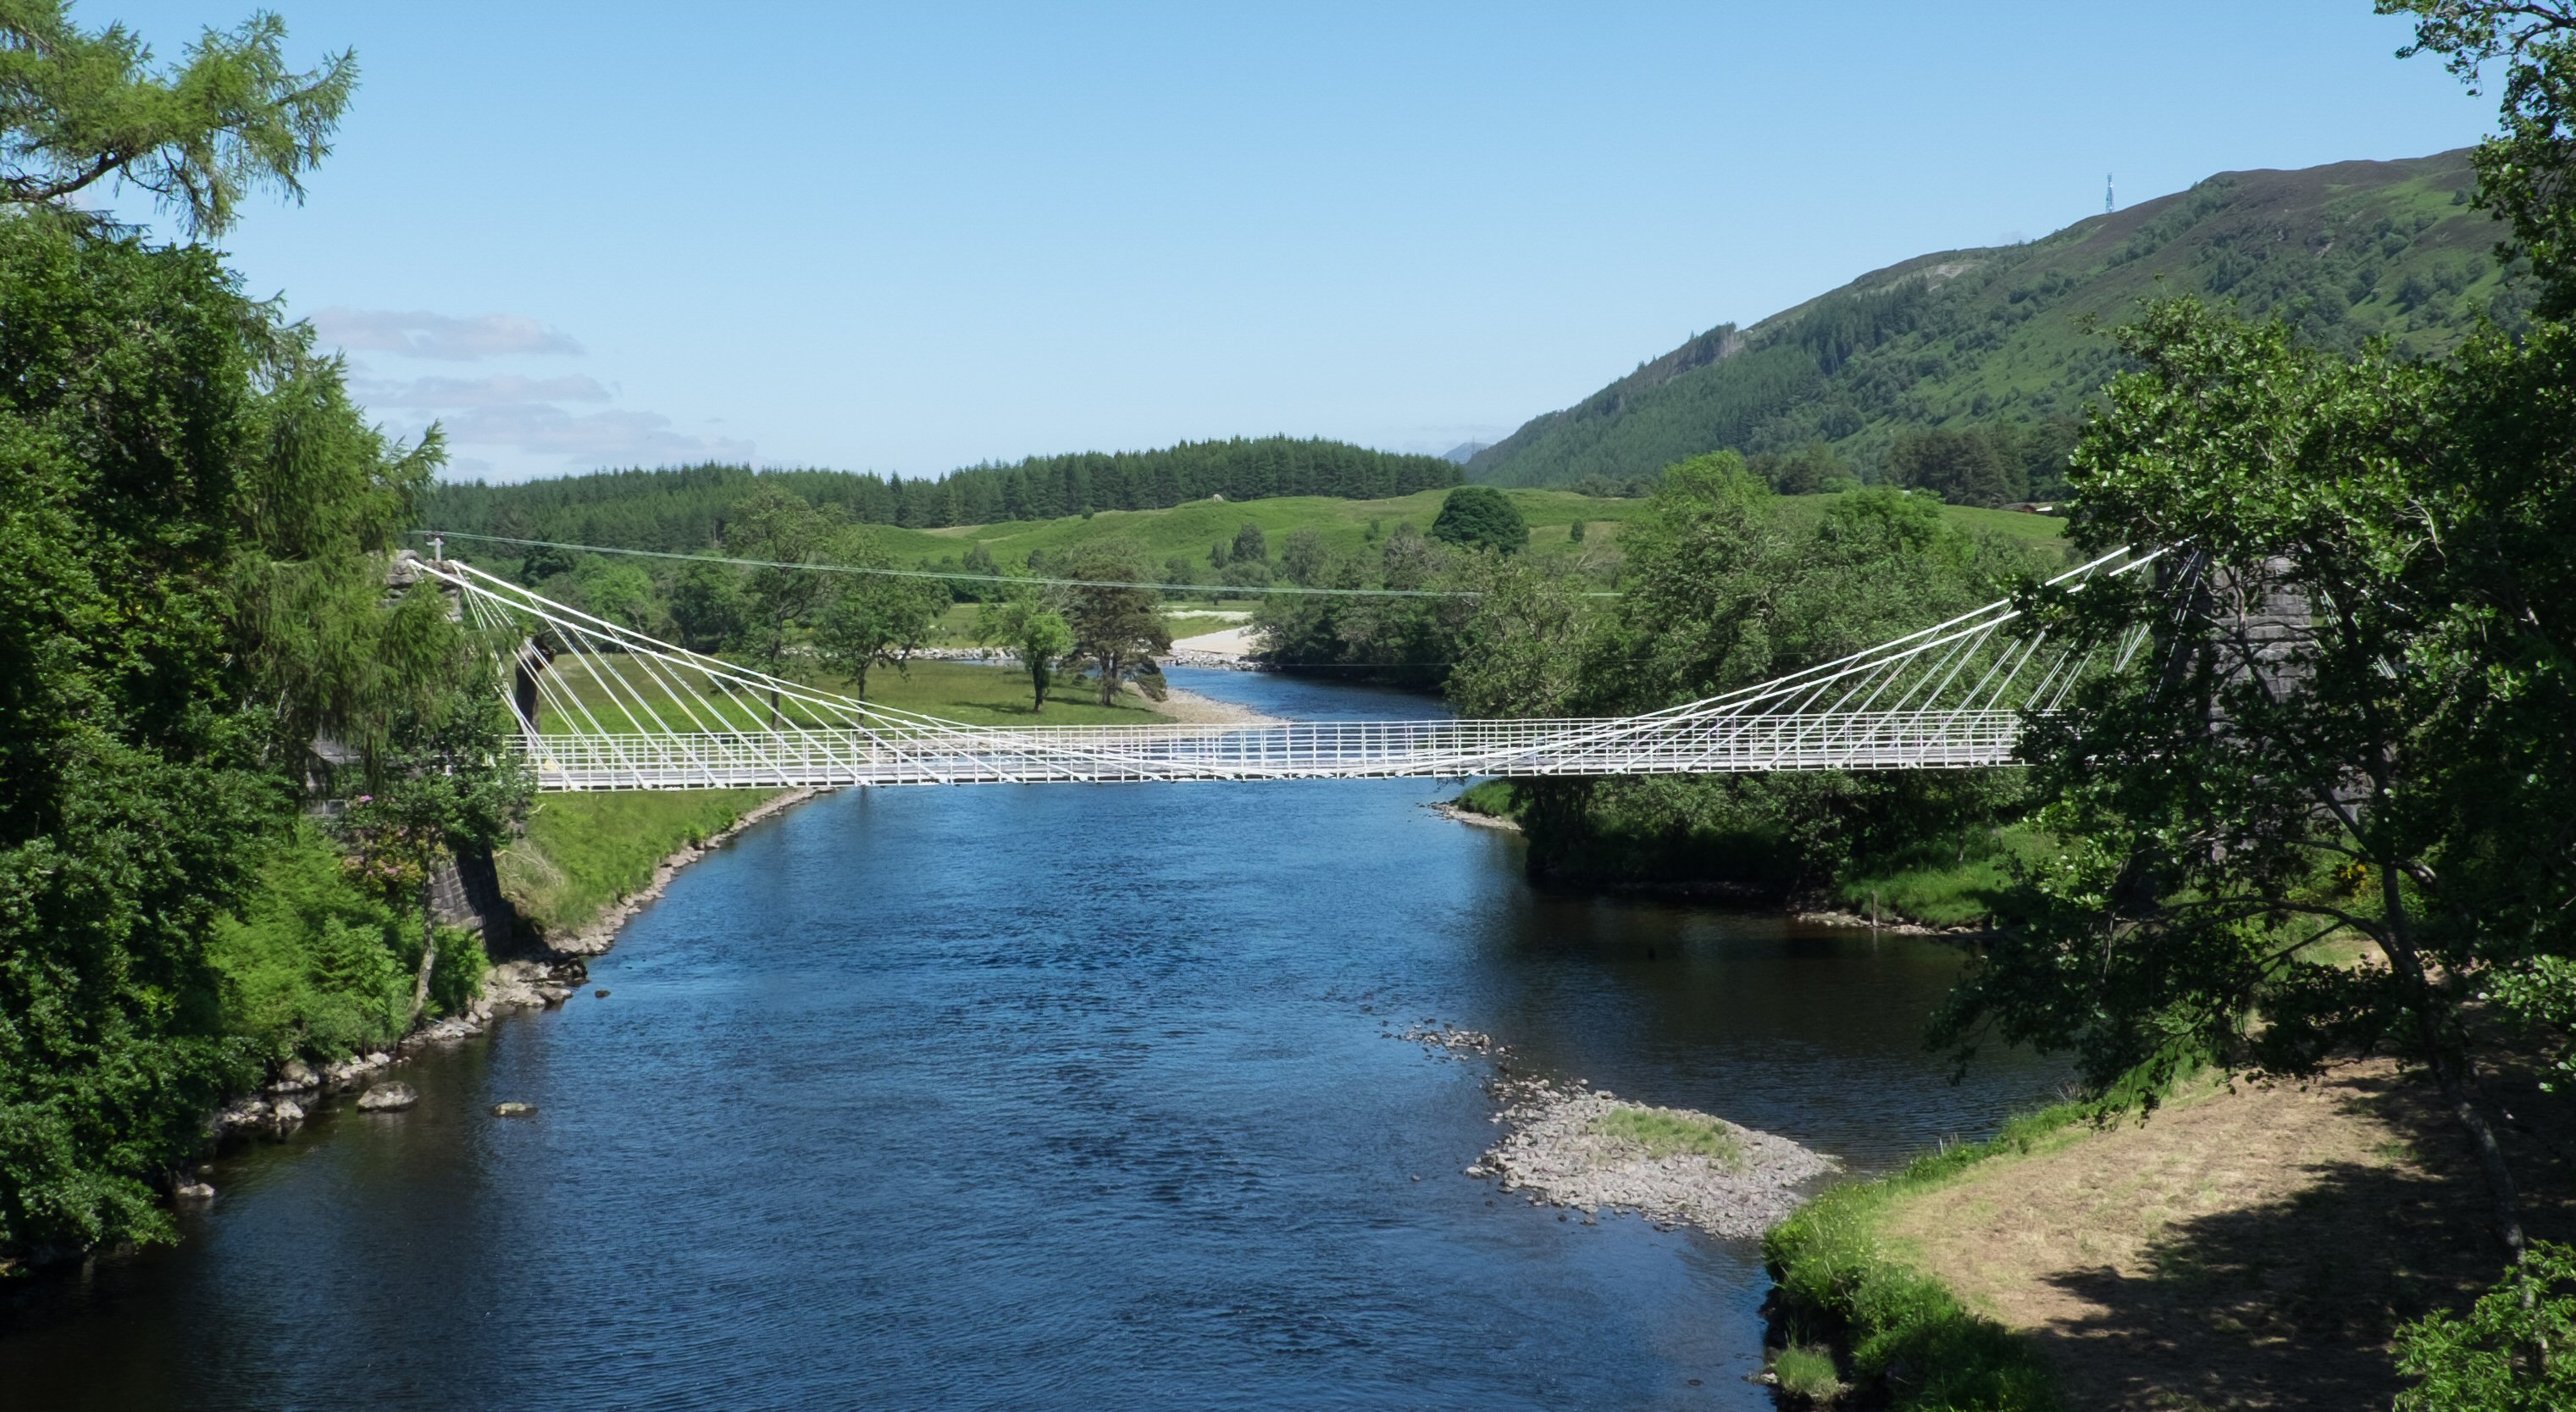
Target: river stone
{"x":385,"y":1097}
{"x":287,"y":1113}
{"x":296,"y":1077}
{"x":193,"y":1191}
{"x":514,"y":1110}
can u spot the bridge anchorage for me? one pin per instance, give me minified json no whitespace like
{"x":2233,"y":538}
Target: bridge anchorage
{"x":600,"y":706}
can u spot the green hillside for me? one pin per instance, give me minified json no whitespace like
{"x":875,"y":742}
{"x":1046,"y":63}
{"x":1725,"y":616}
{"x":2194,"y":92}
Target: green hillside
{"x":1997,"y":338}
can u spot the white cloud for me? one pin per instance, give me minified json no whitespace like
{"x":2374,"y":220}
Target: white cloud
{"x":600,"y":438}
{"x":493,"y":391}
{"x":418,"y":333}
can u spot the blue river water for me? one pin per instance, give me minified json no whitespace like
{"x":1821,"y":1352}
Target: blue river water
{"x":1051,"y":1097}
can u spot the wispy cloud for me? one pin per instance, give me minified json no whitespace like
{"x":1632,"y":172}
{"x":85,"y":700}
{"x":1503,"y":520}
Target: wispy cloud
{"x":417,"y":333}
{"x":539,"y":428}
{"x":497,"y":390}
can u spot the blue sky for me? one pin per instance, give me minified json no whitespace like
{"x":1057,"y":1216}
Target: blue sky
{"x":910,"y":237}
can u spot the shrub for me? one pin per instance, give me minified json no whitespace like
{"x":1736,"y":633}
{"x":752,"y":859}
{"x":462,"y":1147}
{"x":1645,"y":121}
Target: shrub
{"x":1808,"y":1373}
{"x":310,"y":964}
{"x":2514,"y":1352}
{"x":1480,"y":517}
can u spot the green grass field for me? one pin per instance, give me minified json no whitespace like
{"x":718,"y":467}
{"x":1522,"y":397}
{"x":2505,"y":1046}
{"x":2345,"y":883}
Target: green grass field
{"x":1191,"y":530}
{"x":966,"y":692}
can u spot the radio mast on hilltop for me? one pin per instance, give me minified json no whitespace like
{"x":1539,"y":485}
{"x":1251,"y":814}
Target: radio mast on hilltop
{"x":2106,"y":193}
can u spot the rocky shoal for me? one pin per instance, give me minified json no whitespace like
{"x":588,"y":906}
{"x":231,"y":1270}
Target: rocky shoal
{"x":1556,"y":1153}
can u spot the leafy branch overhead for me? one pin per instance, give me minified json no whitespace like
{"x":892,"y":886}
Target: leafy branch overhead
{"x":77,"y":109}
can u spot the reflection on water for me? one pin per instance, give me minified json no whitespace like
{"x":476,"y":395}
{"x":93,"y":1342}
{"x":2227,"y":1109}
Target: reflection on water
{"x":1064,"y":1096}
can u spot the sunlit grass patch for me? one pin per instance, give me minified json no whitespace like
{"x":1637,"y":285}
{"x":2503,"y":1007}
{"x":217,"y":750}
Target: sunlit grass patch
{"x":1808,"y":1373}
{"x":1665,"y":1133}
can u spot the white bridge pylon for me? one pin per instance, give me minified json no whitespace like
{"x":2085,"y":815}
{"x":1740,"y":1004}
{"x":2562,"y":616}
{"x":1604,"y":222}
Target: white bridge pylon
{"x":601,"y":706}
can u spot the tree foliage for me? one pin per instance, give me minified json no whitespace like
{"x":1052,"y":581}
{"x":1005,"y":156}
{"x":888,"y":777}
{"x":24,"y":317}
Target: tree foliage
{"x":78,"y":108}
{"x":197,"y":521}
{"x":1480,"y":517}
{"x":1116,"y":630}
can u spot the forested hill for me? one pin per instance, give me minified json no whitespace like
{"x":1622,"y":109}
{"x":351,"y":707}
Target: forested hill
{"x":685,"y":508}
{"x":1994,"y":338}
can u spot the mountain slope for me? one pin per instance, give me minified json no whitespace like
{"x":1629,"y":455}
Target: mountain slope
{"x":1967,"y":338}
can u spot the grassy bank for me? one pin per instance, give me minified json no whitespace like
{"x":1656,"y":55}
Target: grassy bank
{"x":584,"y":853}
{"x":1850,"y":1292}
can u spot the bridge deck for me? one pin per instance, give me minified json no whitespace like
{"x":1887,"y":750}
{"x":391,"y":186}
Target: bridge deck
{"x":1448,"y":749}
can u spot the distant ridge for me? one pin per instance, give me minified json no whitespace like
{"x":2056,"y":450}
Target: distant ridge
{"x":1964,"y":338}
{"x":1464,"y":451}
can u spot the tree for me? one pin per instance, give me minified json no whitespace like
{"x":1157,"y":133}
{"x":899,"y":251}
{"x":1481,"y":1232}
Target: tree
{"x":80,"y":108}
{"x":789,"y":536}
{"x":198,"y":528}
{"x":707,"y":607}
{"x":876,"y":619}
{"x":449,"y":787}
{"x":1962,"y":467}
{"x":2357,"y":720}
{"x":1813,"y":469}
{"x":1118,"y":630}
{"x":2509,"y":1354}
{"x":1304,"y":559}
{"x":1480,"y":517}
{"x":1249,"y":547}
{"x":615,"y":590}
{"x":1034,"y":632}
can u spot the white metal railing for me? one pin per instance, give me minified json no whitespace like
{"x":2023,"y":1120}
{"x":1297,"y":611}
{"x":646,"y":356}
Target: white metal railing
{"x":1302,"y":750}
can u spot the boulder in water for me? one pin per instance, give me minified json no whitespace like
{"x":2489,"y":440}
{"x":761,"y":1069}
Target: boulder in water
{"x":514,"y":1110}
{"x":386,"y":1097}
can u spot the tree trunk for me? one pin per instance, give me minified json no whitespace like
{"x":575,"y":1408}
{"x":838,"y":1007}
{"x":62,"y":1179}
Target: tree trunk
{"x":1038,"y":680}
{"x":428,"y":957}
{"x":1108,"y":680}
{"x":2450,"y":1071}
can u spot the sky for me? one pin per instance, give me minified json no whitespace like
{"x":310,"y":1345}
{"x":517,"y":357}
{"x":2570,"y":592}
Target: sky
{"x":906,"y":238}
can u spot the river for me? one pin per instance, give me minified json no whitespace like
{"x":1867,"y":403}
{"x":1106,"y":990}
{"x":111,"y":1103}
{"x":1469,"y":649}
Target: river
{"x":1057,"y":1097}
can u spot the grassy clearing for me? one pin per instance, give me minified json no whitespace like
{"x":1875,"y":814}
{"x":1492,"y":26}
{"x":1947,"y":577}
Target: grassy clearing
{"x":1493,"y":798}
{"x":1354,"y":526}
{"x":2246,"y":1246}
{"x":967,"y":692}
{"x":584,"y":853}
{"x":1665,"y":1133}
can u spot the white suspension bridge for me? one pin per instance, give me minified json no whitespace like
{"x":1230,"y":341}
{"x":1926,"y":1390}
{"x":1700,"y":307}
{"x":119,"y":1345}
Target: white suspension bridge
{"x":601,"y":706}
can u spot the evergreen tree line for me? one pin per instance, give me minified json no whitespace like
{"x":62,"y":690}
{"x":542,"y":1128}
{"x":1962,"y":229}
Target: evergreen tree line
{"x":689,"y":508}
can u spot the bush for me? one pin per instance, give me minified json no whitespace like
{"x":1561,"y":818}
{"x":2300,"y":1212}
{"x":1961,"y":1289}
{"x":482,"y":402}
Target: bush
{"x":2515,"y":1352}
{"x":1808,"y":1373}
{"x":1480,"y":517}
{"x":311,"y":964}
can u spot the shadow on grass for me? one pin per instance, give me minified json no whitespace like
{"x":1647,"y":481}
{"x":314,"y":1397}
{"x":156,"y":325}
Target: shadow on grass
{"x":2293,"y":1303}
